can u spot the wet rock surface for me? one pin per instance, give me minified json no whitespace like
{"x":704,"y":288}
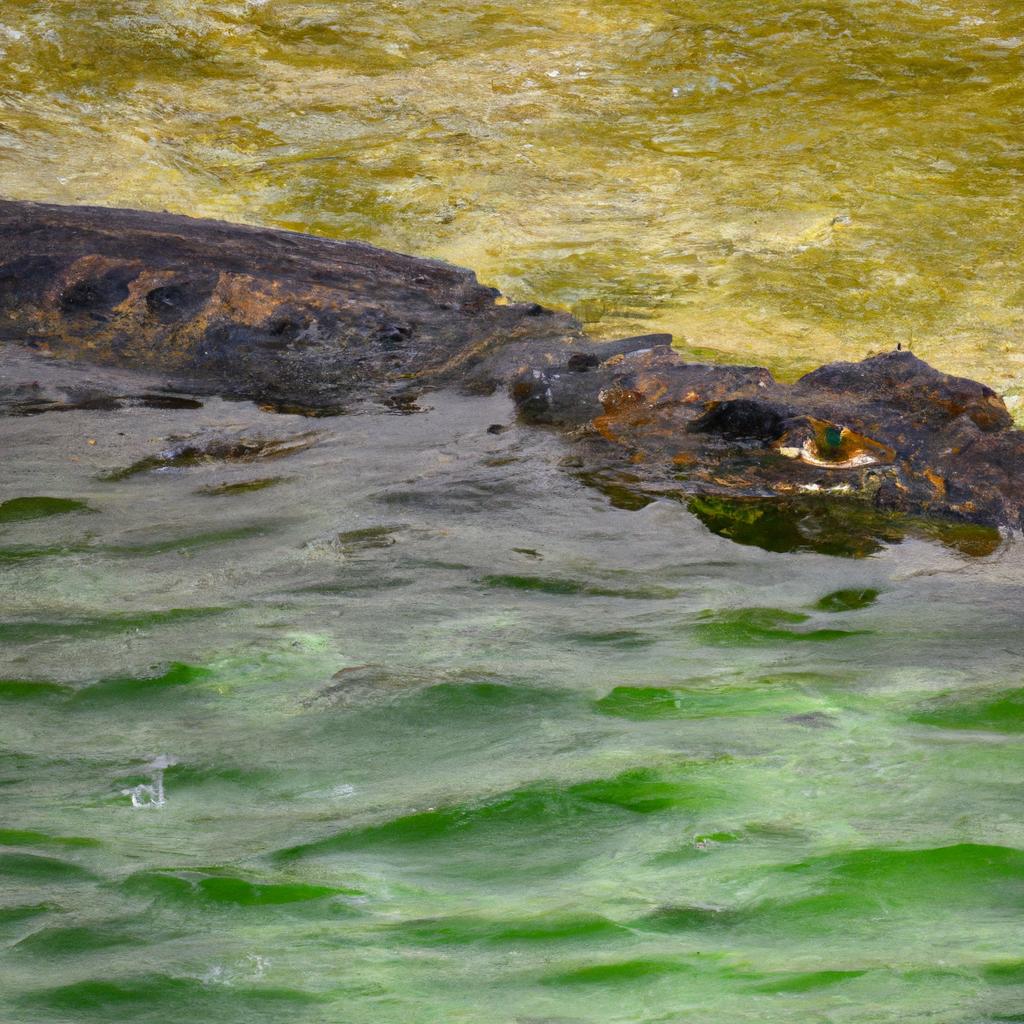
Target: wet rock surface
{"x":115,"y":310}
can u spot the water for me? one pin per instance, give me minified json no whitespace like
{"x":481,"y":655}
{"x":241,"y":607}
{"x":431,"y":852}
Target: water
{"x":411,"y":725}
{"x":777,"y":183}
{"x":428,"y":730}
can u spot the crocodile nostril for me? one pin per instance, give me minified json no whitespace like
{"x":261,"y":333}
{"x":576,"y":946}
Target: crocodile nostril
{"x":179,"y":299}
{"x":166,"y":299}
{"x":98,"y":294}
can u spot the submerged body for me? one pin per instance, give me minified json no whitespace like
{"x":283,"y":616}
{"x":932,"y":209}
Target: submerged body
{"x":305,"y":324}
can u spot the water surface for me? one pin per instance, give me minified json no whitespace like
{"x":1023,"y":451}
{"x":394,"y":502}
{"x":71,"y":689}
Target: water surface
{"x":412,"y":726}
{"x":441,"y":734}
{"x":772,"y":182}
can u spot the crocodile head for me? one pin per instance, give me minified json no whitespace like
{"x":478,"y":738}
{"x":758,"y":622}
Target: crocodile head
{"x":854,"y":448}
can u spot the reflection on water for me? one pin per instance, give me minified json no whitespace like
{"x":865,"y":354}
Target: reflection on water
{"x":772,"y":183}
{"x":452,"y":736}
{"x":832,"y":526}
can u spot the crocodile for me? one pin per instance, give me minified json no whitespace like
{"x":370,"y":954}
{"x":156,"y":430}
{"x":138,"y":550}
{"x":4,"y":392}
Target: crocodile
{"x":298,"y":323}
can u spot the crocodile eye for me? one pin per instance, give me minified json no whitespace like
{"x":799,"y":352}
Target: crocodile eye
{"x":833,"y":447}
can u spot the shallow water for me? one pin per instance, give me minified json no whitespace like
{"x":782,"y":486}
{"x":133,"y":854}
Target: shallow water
{"x":772,"y":182}
{"x":441,"y":734}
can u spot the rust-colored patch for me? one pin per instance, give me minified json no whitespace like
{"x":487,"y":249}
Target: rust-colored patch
{"x":731,"y":483}
{"x":616,"y":400}
{"x":242,"y":299}
{"x":605,"y":425}
{"x":936,"y":481}
{"x":683,"y":459}
{"x":653,"y":388}
{"x":993,"y":417}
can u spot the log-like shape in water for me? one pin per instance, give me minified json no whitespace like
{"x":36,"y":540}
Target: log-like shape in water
{"x":307,"y":324}
{"x":285,"y":319}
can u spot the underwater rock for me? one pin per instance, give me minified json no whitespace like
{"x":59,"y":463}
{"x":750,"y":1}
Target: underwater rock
{"x":241,"y":486}
{"x":30,"y":399}
{"x":32,"y":383}
{"x":357,"y":684}
{"x":216,"y":447}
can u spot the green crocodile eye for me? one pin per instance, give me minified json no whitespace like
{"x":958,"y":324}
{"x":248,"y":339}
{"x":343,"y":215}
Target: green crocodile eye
{"x":835,"y":447}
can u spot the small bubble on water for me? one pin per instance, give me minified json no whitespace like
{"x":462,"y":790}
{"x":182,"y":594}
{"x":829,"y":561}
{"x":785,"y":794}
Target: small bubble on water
{"x":151,"y":794}
{"x":258,"y":963}
{"x":145,"y":796}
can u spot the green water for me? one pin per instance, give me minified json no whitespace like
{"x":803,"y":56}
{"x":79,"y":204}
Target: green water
{"x":441,"y":734}
{"x":449,"y":737}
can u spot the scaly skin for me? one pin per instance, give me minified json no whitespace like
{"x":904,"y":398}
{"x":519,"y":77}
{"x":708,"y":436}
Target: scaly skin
{"x":890,"y":432}
{"x":284,"y":319}
{"x":316,"y":326}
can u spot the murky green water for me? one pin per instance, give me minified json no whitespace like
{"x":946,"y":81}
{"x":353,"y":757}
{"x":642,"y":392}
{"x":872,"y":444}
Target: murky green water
{"x":449,"y":737}
{"x":437,"y":733}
